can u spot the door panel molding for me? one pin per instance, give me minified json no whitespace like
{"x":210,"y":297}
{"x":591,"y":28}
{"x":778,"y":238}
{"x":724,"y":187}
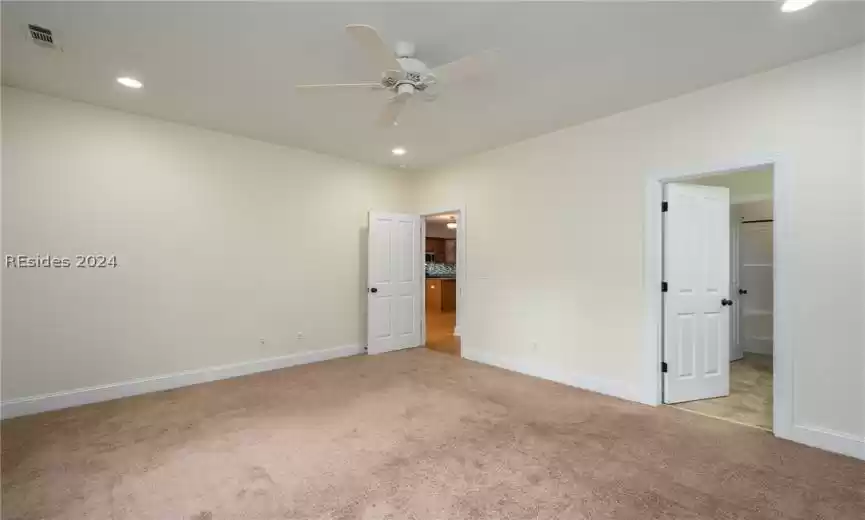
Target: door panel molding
{"x":394,"y":282}
{"x":696,"y":263}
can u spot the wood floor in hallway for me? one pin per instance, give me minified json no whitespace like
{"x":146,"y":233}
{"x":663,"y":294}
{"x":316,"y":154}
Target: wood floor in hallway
{"x":440,"y":332}
{"x":750,"y":399}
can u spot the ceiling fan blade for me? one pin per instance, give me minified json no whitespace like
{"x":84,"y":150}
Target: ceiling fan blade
{"x":378,"y":51}
{"x":339,"y":85}
{"x":392,"y":110}
{"x":428,"y":95}
{"x":466,"y":67}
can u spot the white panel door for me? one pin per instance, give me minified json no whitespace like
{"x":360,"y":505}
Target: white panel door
{"x":394,"y":282}
{"x":697,"y":302}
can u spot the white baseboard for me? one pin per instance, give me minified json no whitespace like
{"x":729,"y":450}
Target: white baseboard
{"x":756,"y":346}
{"x":554,"y":373}
{"x":829,"y":440}
{"x":822,"y":438}
{"x":95,"y":394}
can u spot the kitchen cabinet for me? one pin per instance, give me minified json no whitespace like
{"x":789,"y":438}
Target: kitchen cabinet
{"x":438,"y":248}
{"x":433,"y":295}
{"x":441,"y":295}
{"x":449,"y":295}
{"x":450,"y":251}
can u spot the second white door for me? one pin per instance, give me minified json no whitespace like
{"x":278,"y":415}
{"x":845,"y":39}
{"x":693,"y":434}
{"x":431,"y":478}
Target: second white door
{"x":394,"y":282}
{"x":697,"y":302}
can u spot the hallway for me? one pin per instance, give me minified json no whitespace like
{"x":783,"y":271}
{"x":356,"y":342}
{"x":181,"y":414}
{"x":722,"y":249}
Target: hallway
{"x":750,"y":399}
{"x":439,"y":332}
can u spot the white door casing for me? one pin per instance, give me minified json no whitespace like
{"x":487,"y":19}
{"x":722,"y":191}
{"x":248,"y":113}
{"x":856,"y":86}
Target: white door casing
{"x":394,"y":282}
{"x":697,"y":271}
{"x":459,"y":259}
{"x":736,"y":346}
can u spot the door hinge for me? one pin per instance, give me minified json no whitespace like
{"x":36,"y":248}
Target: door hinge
{"x":664,"y":287}
{"x":664,"y":207}
{"x":664,"y":367}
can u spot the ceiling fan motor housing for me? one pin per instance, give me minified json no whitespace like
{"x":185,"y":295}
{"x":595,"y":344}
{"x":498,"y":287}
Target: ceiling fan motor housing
{"x":401,"y":73}
{"x":416,"y":73}
{"x":405,"y":88}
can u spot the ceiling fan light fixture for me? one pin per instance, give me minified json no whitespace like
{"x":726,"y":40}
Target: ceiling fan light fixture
{"x":452,"y":224}
{"x":126,"y":81}
{"x":791,"y":6}
{"x":401,"y":73}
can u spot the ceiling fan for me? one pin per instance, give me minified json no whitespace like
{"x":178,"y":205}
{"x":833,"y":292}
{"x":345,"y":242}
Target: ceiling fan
{"x":402,"y":73}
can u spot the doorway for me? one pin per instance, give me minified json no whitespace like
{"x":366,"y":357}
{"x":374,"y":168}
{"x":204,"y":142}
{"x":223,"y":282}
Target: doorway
{"x":396,"y":290}
{"x":718,"y":296}
{"x":440,"y":282}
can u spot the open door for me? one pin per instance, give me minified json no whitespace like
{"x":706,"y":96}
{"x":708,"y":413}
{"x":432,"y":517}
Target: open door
{"x":697,"y":302}
{"x":394,"y":282}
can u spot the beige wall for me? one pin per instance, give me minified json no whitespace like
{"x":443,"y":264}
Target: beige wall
{"x":570,"y":303}
{"x":744,"y":186}
{"x":220,"y":241}
{"x":223,"y":240}
{"x":759,"y":210}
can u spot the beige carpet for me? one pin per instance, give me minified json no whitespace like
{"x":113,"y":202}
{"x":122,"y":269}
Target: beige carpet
{"x":750,"y":400}
{"x":410,"y":435}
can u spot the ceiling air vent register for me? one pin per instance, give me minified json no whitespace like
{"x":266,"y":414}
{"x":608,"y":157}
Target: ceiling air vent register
{"x":41,"y":36}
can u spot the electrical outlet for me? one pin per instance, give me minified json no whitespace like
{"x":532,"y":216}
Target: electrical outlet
{"x":300,"y":335}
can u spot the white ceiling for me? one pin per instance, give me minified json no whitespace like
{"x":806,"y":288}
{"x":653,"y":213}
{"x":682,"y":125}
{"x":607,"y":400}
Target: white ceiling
{"x":232,"y":66}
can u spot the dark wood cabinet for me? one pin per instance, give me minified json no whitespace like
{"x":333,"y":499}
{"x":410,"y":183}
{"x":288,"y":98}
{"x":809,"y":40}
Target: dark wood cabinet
{"x":441,"y":295}
{"x":449,"y":295}
{"x":438,"y":248}
{"x":444,"y":250}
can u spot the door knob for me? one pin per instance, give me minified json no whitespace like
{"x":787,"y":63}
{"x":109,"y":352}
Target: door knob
{"x":374,"y":289}
{"x":743,"y":291}
{"x":725,"y":302}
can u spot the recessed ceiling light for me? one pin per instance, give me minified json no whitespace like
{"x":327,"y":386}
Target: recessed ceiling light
{"x":796,"y":5}
{"x":129,"y":82}
{"x":398,"y":151}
